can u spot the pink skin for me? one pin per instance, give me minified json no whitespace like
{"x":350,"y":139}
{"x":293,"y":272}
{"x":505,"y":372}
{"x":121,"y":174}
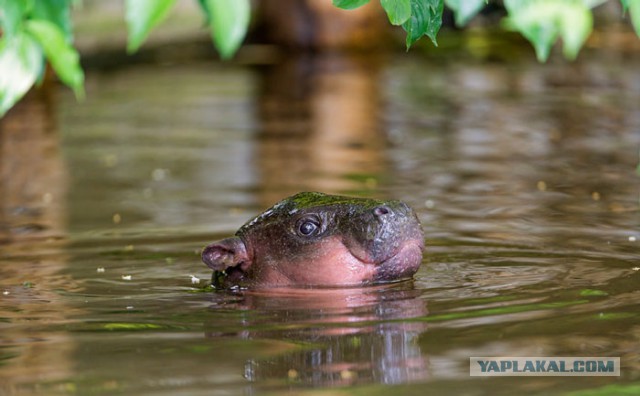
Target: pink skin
{"x":330,"y":264}
{"x":338,"y":304}
{"x":334,"y":242}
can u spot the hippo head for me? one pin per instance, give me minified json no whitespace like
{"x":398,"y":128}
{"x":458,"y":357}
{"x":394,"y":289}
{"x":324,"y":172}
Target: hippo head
{"x":315,"y":240}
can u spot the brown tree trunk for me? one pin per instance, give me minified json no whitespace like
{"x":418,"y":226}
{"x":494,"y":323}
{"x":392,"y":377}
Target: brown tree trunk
{"x":318,"y":24}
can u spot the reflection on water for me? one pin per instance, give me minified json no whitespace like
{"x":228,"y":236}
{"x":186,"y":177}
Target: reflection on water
{"x":319,"y":122}
{"x":522,"y":174}
{"x":339,"y":337}
{"x":33,"y":188}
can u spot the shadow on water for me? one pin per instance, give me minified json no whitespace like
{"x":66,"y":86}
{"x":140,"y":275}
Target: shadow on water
{"x":522,"y":174}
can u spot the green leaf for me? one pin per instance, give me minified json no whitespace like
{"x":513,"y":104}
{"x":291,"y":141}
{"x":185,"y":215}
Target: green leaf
{"x":625,"y":5}
{"x":464,"y":10}
{"x":27,"y":284}
{"x":625,"y":389}
{"x":398,"y":11}
{"x":508,"y":309}
{"x":543,"y":21}
{"x":426,"y":19}
{"x":63,"y":57}
{"x":575,"y":28}
{"x":131,"y":326}
{"x":12,"y":13}
{"x":616,"y":316}
{"x":593,"y":3}
{"x":142,"y":16}
{"x":228,"y":22}
{"x":593,"y":293}
{"x":205,"y":9}
{"x":634,"y":11}
{"x":20,"y":65}
{"x":56,"y":11}
{"x":436,"y":8}
{"x":349,"y":4}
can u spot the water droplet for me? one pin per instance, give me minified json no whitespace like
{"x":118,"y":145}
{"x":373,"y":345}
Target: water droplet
{"x":110,"y":160}
{"x":347,"y":374}
{"x":542,"y":186}
{"x":159,"y":174}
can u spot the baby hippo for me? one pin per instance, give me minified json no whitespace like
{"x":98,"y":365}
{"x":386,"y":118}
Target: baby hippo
{"x":318,"y":240}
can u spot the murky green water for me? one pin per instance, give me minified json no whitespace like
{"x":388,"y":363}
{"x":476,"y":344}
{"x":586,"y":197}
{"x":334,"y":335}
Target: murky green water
{"x":522,"y":174}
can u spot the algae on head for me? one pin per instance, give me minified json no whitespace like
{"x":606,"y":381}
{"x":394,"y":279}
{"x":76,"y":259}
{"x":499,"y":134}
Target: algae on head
{"x":307,"y":200}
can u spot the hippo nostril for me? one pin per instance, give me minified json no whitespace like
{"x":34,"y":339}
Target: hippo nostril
{"x":381,"y":211}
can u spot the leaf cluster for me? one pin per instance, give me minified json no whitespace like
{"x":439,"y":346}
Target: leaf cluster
{"x":36,"y":31}
{"x":542,"y":22}
{"x":417,"y":17}
{"x":31,"y":31}
{"x":227,"y":21}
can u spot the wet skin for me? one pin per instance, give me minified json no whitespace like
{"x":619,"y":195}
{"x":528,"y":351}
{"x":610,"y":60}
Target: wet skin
{"x":320,"y":240}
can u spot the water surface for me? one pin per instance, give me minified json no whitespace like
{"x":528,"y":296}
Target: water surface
{"x":522,"y":174}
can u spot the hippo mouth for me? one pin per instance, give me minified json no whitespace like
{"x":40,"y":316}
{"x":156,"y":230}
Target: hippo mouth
{"x":397,"y":264}
{"x":401,"y":264}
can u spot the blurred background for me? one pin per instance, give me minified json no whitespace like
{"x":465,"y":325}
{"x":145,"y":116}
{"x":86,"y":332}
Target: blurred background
{"x":522,"y":173}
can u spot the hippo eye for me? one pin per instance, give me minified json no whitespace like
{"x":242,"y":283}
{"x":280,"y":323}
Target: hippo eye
{"x":308,"y":226}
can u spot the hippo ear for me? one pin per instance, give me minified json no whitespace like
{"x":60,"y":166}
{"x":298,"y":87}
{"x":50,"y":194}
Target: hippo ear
{"x":230,"y":252}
